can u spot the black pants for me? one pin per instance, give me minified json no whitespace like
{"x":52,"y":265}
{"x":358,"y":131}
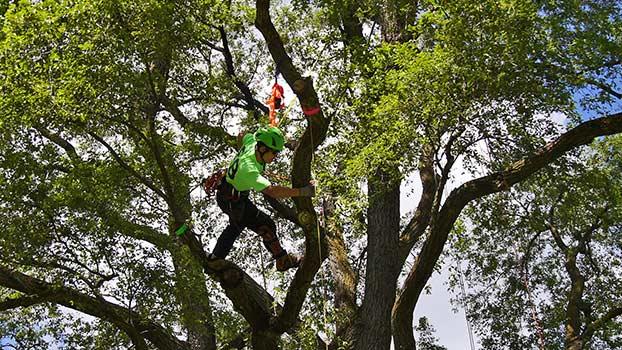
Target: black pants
{"x":243,"y":213}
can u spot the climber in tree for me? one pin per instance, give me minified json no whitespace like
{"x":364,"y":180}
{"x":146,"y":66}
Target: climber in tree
{"x":245,"y":174}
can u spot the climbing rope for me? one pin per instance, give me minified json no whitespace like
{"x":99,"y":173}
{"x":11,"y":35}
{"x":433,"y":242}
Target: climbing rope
{"x":524,"y":272}
{"x":319,"y":240}
{"x":263,"y":266}
{"x":464,"y":305}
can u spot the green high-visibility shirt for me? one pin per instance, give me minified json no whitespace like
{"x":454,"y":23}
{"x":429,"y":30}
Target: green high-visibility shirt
{"x":245,"y":172}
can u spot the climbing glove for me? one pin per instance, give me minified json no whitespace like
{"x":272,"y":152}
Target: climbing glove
{"x":307,"y":191}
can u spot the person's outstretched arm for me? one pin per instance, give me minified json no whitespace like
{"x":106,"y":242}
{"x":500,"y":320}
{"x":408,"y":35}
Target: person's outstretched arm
{"x":286,"y":192}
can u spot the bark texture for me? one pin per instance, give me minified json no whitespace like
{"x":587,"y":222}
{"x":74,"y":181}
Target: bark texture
{"x":373,"y":328}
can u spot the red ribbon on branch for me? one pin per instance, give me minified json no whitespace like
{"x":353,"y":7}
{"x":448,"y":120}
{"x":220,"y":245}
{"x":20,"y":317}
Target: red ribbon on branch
{"x":311,"y":111}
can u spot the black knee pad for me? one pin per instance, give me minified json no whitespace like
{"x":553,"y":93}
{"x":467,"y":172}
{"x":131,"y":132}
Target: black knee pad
{"x":267,"y":234}
{"x":271,"y":241}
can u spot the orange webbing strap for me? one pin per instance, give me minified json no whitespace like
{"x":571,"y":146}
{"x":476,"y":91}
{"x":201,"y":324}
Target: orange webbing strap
{"x":274,"y":102}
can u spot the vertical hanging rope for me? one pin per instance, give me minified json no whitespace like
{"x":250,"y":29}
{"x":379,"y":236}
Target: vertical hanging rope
{"x":464,"y":305}
{"x":263,"y":267}
{"x":319,"y":241}
{"x":525,"y":278}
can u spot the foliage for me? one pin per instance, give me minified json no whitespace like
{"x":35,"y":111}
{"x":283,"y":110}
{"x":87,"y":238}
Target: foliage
{"x":56,"y":328}
{"x":426,"y":339}
{"x":514,"y":263}
{"x":114,"y":110}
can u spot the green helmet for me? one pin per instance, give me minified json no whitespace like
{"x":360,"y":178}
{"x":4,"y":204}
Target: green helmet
{"x":271,"y":137}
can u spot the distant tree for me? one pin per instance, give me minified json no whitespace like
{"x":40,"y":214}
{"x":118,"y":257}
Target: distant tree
{"x":545,"y":259}
{"x":426,"y":339}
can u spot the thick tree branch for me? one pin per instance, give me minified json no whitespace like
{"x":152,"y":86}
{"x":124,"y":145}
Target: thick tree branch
{"x":575,"y":295}
{"x":345,"y":278}
{"x":315,"y":133}
{"x":135,"y":325}
{"x":247,"y":296}
{"x":520,"y":170}
{"x":313,"y":136}
{"x":25,"y":301}
{"x":576,"y":304}
{"x":131,"y":229}
{"x":415,"y":229}
{"x":417,"y":225}
{"x":599,"y":323}
{"x":352,"y":26}
{"x":274,"y":42}
{"x":252,"y":103}
{"x":345,"y":285}
{"x":499,"y":181}
{"x":342,"y":272}
{"x":212,"y":46}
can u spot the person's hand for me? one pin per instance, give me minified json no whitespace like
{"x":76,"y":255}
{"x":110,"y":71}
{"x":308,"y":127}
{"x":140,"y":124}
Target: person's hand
{"x":308,"y":191}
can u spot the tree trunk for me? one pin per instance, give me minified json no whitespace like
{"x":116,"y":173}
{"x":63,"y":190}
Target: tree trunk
{"x":344,"y":276}
{"x":265,"y":340}
{"x":575,"y":344}
{"x":402,"y":326}
{"x":373,"y":328}
{"x":395,"y":17}
{"x":193,"y":297}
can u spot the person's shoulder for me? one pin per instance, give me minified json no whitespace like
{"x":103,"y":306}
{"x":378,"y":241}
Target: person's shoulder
{"x":249,"y":163}
{"x":248,"y":139}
